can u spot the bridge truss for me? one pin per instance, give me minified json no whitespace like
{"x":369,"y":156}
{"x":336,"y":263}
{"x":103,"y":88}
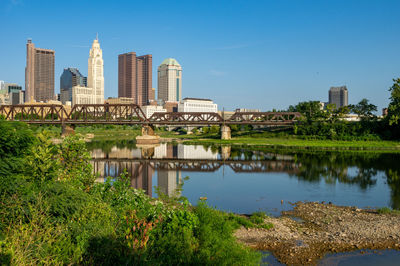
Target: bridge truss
{"x":132,"y":114}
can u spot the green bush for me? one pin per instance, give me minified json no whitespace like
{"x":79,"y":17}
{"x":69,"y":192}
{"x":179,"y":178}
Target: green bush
{"x":52,"y":212}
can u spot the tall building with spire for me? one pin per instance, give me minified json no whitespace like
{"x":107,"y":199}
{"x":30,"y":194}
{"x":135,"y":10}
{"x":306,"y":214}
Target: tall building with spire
{"x":95,"y":79}
{"x":39,"y":73}
{"x":170,"y":81}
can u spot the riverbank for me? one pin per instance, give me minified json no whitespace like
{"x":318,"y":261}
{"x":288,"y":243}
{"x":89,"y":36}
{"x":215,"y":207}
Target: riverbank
{"x":270,"y":140}
{"x":284,"y":142}
{"x":311,"y":230}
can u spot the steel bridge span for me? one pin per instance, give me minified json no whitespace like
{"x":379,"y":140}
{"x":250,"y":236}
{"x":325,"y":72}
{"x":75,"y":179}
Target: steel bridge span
{"x":132,"y":114}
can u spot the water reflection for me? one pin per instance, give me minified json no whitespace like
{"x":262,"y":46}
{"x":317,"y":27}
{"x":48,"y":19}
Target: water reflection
{"x":169,"y":161}
{"x":244,"y":180}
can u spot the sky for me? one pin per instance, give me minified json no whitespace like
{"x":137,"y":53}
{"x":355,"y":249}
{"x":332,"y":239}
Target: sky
{"x":239,"y":53}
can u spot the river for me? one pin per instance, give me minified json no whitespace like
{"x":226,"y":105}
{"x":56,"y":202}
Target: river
{"x":244,"y":180}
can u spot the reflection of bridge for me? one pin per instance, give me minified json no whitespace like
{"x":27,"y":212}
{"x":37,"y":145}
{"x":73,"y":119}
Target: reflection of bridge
{"x":203,"y":165}
{"x":133,"y":114}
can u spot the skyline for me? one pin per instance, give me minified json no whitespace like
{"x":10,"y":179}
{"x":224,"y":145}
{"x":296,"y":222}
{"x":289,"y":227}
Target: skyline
{"x":251,"y":55}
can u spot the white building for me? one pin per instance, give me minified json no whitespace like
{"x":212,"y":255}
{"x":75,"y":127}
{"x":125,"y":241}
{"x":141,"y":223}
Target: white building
{"x":170,"y":81}
{"x":83,"y":95}
{"x":95,"y":78}
{"x":197,"y":105}
{"x":2,"y":85}
{"x":149,"y":110}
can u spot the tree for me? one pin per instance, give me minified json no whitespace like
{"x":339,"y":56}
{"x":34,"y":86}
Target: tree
{"x":311,"y":110}
{"x":394,"y":105}
{"x":364,"y":109}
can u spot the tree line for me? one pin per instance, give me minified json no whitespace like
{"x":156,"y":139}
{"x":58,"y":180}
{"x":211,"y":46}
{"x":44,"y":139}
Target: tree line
{"x":329,"y":122}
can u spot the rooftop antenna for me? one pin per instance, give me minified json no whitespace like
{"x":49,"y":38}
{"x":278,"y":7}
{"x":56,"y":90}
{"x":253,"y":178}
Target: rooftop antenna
{"x":97,"y":36}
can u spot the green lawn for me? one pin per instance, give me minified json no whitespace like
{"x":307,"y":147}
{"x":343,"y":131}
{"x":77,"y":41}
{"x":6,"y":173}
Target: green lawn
{"x":300,"y":143}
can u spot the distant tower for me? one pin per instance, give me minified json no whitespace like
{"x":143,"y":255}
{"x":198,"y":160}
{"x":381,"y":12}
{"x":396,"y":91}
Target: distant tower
{"x":339,"y":96}
{"x":39,"y":73}
{"x":135,"y":77}
{"x":95,"y":77}
{"x":170,"y":81}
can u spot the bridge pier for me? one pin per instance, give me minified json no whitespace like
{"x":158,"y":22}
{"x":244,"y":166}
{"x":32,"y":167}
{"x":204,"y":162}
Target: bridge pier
{"x":148,"y":136}
{"x":225,"y":132}
{"x":67,"y":130}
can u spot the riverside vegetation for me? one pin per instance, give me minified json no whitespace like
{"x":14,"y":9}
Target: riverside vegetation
{"x":52,"y":212}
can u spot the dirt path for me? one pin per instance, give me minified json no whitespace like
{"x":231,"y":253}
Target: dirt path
{"x":323,"y":228}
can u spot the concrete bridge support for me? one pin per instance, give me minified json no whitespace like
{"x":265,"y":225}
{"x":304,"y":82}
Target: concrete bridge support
{"x":148,"y":136}
{"x":225,"y":132}
{"x":67,"y":130}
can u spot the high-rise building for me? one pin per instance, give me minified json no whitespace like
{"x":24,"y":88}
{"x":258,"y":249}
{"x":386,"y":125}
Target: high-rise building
{"x":135,"y":77}
{"x":95,"y":77}
{"x":69,"y":78}
{"x":39,"y":73}
{"x":170,"y":81}
{"x":339,"y":96}
{"x":1,"y":84}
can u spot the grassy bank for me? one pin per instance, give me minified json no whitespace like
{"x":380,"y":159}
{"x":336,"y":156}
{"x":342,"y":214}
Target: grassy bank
{"x":285,"y":142}
{"x":249,"y":138}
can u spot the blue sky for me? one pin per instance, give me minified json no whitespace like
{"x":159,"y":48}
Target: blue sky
{"x":254,"y":54}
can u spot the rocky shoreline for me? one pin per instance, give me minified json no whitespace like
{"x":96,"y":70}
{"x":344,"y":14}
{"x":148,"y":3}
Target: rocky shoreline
{"x":311,"y":230}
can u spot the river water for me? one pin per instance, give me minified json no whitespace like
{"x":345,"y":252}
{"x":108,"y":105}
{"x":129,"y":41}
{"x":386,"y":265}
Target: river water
{"x":244,"y":180}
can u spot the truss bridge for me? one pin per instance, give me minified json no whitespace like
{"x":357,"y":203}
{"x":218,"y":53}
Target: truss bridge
{"x":132,"y":114}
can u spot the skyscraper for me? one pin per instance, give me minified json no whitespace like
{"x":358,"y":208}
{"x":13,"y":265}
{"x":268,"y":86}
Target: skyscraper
{"x":170,"y":81}
{"x":39,"y":73}
{"x":95,"y":79}
{"x":135,"y":77}
{"x":338,"y":96}
{"x":69,"y":78}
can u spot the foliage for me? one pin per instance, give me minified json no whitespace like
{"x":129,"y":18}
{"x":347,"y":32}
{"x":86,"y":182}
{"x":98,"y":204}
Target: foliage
{"x":42,"y":164}
{"x":74,"y":160}
{"x":394,"y":105}
{"x":311,"y":110}
{"x":386,"y":210}
{"x":364,"y":109}
{"x":52,"y":212}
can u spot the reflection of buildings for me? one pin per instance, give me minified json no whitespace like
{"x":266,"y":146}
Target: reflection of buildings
{"x":168,"y":181}
{"x":170,"y":160}
{"x":140,"y":173}
{"x":195,"y":152}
